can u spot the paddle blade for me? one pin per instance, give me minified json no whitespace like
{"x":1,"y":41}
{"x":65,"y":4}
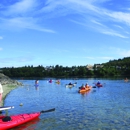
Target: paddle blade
{"x":50,"y":110}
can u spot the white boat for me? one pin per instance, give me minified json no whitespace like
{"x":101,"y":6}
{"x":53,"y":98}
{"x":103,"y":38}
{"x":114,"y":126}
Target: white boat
{"x":69,"y":86}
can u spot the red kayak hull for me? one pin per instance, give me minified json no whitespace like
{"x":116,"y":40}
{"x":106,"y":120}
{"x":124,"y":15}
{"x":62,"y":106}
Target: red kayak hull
{"x":99,"y":85}
{"x":17,"y":120}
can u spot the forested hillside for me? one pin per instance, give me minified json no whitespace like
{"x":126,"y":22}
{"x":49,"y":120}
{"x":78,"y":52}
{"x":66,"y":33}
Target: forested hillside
{"x":119,"y":67}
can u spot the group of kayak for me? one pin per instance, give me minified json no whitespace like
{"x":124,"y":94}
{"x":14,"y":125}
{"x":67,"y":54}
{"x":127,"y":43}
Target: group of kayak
{"x":87,"y":88}
{"x":57,"y":81}
{"x":82,"y":89}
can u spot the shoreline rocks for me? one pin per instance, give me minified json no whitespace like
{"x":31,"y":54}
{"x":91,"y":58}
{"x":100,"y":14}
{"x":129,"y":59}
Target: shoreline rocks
{"x":6,"y":80}
{"x":8,"y":84}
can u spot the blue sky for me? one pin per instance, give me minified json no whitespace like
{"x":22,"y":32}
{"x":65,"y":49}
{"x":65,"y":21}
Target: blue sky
{"x":63,"y":32}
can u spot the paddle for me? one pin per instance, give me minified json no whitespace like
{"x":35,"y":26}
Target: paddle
{"x":6,"y":107}
{"x":50,"y":110}
{"x":92,"y":87}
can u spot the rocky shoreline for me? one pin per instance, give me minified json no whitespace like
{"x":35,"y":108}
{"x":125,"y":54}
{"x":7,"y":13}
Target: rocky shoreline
{"x":8,"y":85}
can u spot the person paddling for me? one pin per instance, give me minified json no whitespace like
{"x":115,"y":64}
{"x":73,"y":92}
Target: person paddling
{"x":36,"y":84}
{"x":98,"y":83}
{"x":70,"y":83}
{"x":86,"y":85}
{"x":126,"y":80}
{"x":82,"y":87}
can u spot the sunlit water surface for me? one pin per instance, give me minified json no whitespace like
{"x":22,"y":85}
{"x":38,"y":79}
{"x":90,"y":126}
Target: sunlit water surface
{"x":104,"y":108}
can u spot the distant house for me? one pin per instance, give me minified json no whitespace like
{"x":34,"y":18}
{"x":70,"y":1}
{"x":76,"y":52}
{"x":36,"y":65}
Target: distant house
{"x":99,"y":66}
{"x":89,"y":67}
{"x":49,"y":68}
{"x":118,"y":67}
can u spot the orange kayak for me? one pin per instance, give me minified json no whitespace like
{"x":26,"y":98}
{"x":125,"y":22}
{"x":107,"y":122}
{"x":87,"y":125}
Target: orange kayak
{"x":85,"y":90}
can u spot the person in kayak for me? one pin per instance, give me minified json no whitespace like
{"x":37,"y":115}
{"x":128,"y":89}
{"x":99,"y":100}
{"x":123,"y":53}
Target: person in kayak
{"x":50,"y":81}
{"x":1,"y":92}
{"x":87,"y":86}
{"x":82,"y":87}
{"x":36,"y":84}
{"x":126,"y":80}
{"x":98,"y":83}
{"x":70,"y":83}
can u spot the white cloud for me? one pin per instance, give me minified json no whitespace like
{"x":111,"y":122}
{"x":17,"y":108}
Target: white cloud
{"x":22,"y":23}
{"x":120,"y":16}
{"x":106,"y":30}
{"x":94,"y":21}
{"x":20,"y":15}
{"x":112,"y":33}
{"x":95,"y":58}
{"x":31,"y":13}
{"x":23,"y":6}
{"x":123,"y":52}
{"x":105,"y":58}
{"x":1,"y":37}
{"x":119,"y":52}
{"x":17,"y":59}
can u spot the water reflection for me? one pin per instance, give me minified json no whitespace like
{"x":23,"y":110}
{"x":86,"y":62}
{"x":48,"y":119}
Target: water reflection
{"x":32,"y":125}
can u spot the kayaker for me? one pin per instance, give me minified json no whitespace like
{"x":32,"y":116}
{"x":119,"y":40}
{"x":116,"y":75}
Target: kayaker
{"x":50,"y":81}
{"x":58,"y":81}
{"x":98,"y":83}
{"x":1,"y":92}
{"x":82,"y":87}
{"x":36,"y":84}
{"x":70,"y":83}
{"x":86,"y":86}
{"x":126,"y":80}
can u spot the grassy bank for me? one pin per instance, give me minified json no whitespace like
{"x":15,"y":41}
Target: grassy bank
{"x":7,"y":89}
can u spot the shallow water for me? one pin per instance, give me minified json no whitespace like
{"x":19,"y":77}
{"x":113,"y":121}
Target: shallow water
{"x":104,"y":108}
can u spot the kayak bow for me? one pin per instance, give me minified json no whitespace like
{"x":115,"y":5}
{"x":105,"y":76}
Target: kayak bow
{"x":8,"y":122}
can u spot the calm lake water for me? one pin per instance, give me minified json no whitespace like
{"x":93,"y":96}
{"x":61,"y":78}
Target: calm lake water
{"x":105,"y":108}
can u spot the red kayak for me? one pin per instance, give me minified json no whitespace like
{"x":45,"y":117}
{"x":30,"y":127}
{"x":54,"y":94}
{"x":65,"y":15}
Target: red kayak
{"x":8,"y":122}
{"x":99,"y":85}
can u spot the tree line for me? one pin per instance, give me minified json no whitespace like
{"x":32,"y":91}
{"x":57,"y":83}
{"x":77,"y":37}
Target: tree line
{"x":120,"y":67}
